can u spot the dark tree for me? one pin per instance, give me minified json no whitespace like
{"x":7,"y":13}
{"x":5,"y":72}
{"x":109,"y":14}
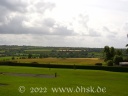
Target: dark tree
{"x":112,"y":52}
{"x":40,"y":56}
{"x":127,"y":51}
{"x":107,"y":53}
{"x":119,"y":52}
{"x":29,"y":56}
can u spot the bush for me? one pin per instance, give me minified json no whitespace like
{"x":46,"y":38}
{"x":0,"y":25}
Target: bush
{"x":110,"y":63}
{"x":98,"y":64}
{"x":117,"y":59}
{"x":29,"y":56}
{"x":13,"y":58}
{"x":34,"y":63}
{"x":125,"y":59}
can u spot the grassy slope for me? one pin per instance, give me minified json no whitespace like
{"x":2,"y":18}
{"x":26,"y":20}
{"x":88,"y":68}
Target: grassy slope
{"x":116,"y":83}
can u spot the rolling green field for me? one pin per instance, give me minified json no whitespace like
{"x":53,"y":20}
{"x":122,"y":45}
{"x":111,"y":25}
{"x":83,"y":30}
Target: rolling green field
{"x":115,"y":82}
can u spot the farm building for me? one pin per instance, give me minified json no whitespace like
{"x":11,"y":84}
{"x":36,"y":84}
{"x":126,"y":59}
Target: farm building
{"x":123,"y":63}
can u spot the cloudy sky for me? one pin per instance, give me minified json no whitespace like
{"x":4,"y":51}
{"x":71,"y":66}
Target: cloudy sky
{"x":68,"y":23}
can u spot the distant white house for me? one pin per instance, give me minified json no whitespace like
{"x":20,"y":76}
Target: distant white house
{"x":123,"y":63}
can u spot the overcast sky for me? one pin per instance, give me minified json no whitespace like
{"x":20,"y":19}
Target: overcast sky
{"x":67,"y":23}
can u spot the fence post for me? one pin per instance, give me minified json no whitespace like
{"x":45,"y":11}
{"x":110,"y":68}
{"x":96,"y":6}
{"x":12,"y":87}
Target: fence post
{"x":55,"y":74}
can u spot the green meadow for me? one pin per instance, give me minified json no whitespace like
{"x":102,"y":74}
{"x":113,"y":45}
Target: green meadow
{"x":113,"y":83}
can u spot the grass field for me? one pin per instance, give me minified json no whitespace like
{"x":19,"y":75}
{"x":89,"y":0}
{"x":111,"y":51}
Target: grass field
{"x":69,"y":61}
{"x":5,"y":58}
{"x":115,"y":82}
{"x":33,"y":50}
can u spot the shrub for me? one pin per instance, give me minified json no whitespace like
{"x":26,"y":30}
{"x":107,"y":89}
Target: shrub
{"x":110,"y":63}
{"x":29,"y":56}
{"x":125,"y":59}
{"x":117,"y":59}
{"x":34,"y":63}
{"x":13,"y":58}
{"x":98,"y":64}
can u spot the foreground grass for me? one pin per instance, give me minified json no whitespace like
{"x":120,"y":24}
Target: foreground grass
{"x":115,"y":83}
{"x":69,"y":61}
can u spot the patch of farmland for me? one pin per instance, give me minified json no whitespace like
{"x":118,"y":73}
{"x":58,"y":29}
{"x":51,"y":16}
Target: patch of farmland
{"x":69,"y":61}
{"x":35,"y":50}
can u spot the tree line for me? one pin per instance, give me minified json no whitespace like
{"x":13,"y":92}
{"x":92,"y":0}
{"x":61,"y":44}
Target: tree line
{"x":112,"y":56}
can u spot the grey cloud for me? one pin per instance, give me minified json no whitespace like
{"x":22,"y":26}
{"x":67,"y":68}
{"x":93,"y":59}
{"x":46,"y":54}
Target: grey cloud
{"x":111,"y":36}
{"x":13,"y":5}
{"x":94,"y":33}
{"x":39,"y":6}
{"x":84,"y":20}
{"x":7,"y":7}
{"x":49,"y":22}
{"x":10,"y":24}
{"x":125,"y":26}
{"x":42,"y":6}
{"x":109,"y":33}
{"x":61,"y":30}
{"x":106,"y":29}
{"x":11,"y":39}
{"x":22,"y":7}
{"x":15,"y":27}
{"x":3,"y":13}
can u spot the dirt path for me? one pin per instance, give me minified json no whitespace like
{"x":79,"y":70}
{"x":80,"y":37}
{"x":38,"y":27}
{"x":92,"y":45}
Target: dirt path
{"x":29,"y":75}
{"x":3,"y":84}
